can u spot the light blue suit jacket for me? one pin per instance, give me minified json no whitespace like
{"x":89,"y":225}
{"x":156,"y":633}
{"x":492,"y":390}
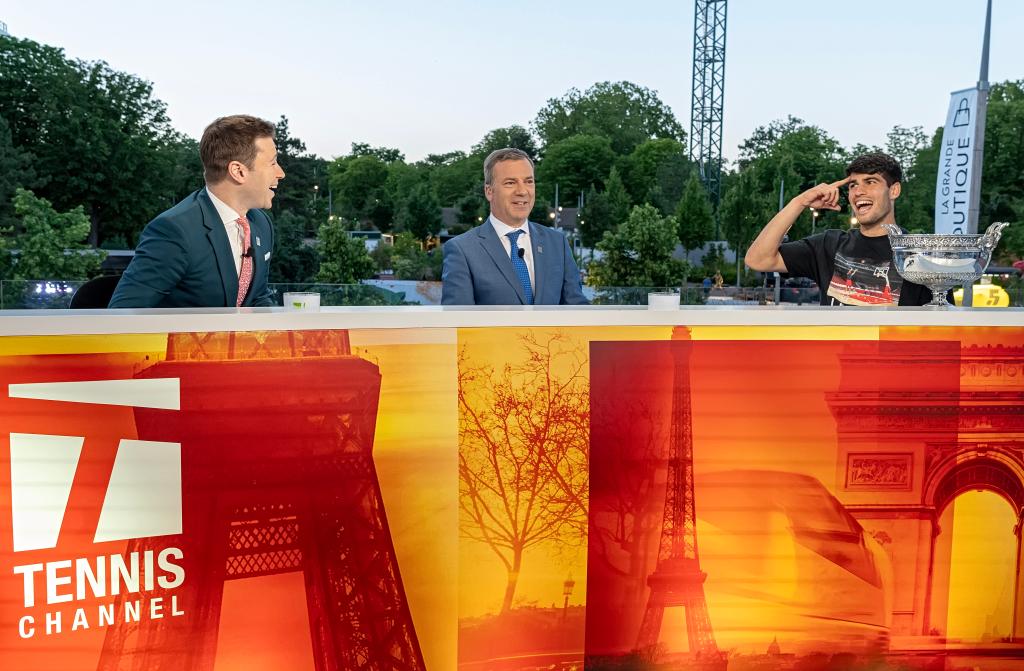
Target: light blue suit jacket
{"x":478,"y":270}
{"x":184,"y":259}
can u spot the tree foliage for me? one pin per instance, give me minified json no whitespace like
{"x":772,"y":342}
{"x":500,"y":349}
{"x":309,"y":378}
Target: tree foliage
{"x":651,"y":159}
{"x":294,"y":260}
{"x":304,"y":190}
{"x":49,"y":244}
{"x":696,"y":220}
{"x":343,"y":259}
{"x":15,"y":171}
{"x":358,"y":182}
{"x":98,"y":135}
{"x":515,"y":137}
{"x":420,"y":213}
{"x":746,"y":208}
{"x":407,"y":259}
{"x":623,"y":112}
{"x":638,"y":253}
{"x":574,"y":164}
{"x":619,"y":202}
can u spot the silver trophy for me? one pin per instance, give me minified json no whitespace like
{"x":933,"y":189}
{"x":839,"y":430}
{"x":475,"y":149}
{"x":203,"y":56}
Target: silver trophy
{"x":941,"y":262}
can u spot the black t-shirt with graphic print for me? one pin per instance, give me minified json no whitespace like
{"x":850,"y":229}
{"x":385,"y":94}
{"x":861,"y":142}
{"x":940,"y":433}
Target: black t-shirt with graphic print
{"x":852,"y":269}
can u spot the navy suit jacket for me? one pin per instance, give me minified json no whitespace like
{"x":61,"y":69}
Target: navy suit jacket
{"x":184,"y":259}
{"x":478,"y":270}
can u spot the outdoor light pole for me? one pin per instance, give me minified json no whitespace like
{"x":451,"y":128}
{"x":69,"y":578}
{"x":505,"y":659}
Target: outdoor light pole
{"x":567,"y":592}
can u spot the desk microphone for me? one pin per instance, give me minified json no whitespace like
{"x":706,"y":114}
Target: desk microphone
{"x":247,"y":253}
{"x":521,"y":252}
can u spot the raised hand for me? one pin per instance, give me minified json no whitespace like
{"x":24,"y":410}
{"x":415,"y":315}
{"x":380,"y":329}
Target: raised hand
{"x":822,"y":197}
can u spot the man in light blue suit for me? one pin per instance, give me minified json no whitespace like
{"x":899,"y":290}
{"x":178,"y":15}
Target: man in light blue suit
{"x":508,"y":260}
{"x":212,"y":249}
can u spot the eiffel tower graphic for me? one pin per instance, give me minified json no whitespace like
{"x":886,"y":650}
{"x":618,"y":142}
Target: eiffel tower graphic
{"x":677,"y":579}
{"x":278,"y":477}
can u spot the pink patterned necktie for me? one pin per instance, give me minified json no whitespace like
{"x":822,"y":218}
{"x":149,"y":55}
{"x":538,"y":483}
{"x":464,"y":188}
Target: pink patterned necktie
{"x":245,"y":274}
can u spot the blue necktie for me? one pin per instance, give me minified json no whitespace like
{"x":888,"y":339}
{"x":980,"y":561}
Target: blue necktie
{"x":519,"y":265}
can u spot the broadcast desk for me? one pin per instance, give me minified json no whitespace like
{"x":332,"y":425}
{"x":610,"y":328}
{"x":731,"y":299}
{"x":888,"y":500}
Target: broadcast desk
{"x":503,"y":488}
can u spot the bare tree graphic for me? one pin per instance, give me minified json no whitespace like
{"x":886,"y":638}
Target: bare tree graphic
{"x":523,"y":451}
{"x":623,"y":529}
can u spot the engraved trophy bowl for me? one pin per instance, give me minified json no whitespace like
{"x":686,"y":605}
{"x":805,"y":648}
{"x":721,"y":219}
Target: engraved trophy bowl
{"x":941,"y":262}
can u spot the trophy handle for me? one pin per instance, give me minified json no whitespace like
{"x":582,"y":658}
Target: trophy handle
{"x":892,"y":229}
{"x":992,"y":234}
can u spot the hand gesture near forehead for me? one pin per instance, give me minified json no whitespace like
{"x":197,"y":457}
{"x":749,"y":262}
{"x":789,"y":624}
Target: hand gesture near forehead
{"x":824,"y":196}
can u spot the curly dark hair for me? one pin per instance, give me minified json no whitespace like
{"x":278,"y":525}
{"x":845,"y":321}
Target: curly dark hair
{"x":877,"y":163}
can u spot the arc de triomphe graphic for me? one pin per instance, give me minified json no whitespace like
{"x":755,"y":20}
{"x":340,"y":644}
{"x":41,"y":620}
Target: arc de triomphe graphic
{"x":919,"y":423}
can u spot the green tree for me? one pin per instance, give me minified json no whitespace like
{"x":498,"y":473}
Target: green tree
{"x":595,"y":217}
{"x":343,"y":259}
{"x":574,"y":164}
{"x":98,"y":136}
{"x":470,"y":210}
{"x":411,"y":262}
{"x":383,"y":154}
{"x":455,"y":176}
{"x":186,"y":174}
{"x":1002,"y":191}
{"x":638,"y":253}
{"x":15,"y":171}
{"x":915,"y":208}
{"x":420,"y":213}
{"x":619,"y":202}
{"x":696,"y":221}
{"x":623,"y":112}
{"x":304,"y":190}
{"x":359,"y":185}
{"x":293,"y":260}
{"x":515,"y":137}
{"x":797,"y":155}
{"x":903,"y":144}
{"x":641,"y":168}
{"x":1002,"y":183}
{"x":51,"y":244}
{"x":746,"y":208}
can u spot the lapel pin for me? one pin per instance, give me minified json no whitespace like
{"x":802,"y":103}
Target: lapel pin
{"x":257,"y":241}
{"x":540,"y":249}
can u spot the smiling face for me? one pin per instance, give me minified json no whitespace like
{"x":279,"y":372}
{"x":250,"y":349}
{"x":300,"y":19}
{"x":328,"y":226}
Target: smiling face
{"x":260,"y":179}
{"x":512,"y":191}
{"x":872,"y":201}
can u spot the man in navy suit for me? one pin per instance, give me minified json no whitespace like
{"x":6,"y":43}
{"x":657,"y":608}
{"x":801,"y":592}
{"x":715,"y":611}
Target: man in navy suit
{"x":213,"y":248}
{"x":509,"y":260}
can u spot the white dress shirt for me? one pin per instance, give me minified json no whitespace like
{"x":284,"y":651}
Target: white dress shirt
{"x":236,"y":235}
{"x":503,"y":229}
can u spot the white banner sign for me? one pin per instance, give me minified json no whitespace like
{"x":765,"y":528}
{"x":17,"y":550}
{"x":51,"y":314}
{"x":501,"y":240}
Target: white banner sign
{"x":954,"y":193}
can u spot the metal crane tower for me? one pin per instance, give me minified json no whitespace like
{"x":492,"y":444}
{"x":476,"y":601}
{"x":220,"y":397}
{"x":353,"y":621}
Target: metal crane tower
{"x":708,"y":94}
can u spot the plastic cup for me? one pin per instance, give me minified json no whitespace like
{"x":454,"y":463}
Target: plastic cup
{"x":302,"y":301}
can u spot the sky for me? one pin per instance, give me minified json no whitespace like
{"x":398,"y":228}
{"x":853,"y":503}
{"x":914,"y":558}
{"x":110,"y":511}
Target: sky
{"x":433,"y":77}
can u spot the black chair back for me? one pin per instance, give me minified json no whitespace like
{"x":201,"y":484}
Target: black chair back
{"x":95,"y":294}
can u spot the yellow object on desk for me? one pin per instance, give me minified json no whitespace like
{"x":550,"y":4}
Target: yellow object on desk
{"x":985,"y":296}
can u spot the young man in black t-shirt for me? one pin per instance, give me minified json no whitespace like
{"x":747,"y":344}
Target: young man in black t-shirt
{"x":852,"y":267}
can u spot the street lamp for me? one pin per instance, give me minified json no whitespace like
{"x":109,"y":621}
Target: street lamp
{"x":814,"y":220}
{"x":567,"y":592}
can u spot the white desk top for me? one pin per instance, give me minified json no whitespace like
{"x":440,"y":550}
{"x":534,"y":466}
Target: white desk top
{"x":57,"y":322}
